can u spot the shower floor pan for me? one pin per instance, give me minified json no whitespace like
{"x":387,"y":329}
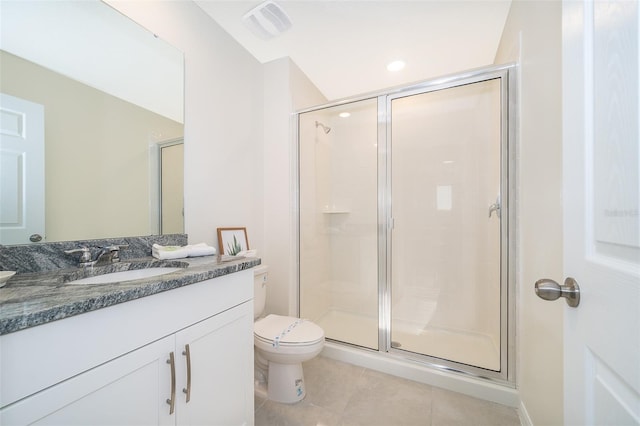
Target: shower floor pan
{"x":467,"y":348}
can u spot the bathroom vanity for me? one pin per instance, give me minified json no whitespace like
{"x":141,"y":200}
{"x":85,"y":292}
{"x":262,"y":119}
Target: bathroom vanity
{"x":173,"y":349}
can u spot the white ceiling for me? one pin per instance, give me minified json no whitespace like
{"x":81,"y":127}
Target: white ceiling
{"x":344,"y":46}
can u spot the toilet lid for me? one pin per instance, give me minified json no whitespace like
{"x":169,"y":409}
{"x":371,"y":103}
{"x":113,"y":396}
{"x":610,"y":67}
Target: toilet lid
{"x":289,"y":330}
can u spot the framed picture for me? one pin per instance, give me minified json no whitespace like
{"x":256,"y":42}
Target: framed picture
{"x":231,"y":241}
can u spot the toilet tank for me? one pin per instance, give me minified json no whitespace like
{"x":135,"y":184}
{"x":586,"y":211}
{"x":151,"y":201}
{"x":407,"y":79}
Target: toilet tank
{"x":260,"y":278}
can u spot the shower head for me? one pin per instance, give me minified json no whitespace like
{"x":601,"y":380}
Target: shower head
{"x":326,"y":129}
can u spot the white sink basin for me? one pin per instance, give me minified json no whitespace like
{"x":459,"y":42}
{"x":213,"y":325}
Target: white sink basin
{"x":134,"y":274}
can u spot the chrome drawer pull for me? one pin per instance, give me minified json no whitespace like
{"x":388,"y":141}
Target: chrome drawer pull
{"x":172,"y":400}
{"x":187,"y":390}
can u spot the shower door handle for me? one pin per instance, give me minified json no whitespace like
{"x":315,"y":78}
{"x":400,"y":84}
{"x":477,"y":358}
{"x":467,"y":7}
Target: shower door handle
{"x":550,"y":290}
{"x":495,"y":207}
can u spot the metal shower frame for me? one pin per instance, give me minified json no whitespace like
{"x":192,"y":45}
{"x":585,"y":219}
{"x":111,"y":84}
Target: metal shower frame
{"x":507,"y":74}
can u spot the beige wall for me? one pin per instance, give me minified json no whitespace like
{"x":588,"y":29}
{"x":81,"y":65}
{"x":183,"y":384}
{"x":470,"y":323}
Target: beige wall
{"x":96,"y":154}
{"x":533,"y":37}
{"x":223,"y":120}
{"x":172,"y":189}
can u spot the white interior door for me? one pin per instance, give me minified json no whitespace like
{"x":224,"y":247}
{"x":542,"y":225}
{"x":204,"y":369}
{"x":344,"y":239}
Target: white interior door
{"x":21,"y":170}
{"x":602,"y":211}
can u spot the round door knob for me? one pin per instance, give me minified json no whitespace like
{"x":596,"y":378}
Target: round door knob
{"x":35,"y":238}
{"x":550,"y":290}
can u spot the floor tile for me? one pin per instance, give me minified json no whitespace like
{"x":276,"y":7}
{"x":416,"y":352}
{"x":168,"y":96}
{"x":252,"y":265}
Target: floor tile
{"x":341,"y":394}
{"x":451,"y":408}
{"x":330,"y":383}
{"x":302,"y":413}
{"x":380,"y":399}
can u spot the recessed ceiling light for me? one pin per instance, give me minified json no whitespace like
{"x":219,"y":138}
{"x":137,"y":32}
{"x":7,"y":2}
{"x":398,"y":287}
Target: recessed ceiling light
{"x":395,"y":66}
{"x":345,"y":114}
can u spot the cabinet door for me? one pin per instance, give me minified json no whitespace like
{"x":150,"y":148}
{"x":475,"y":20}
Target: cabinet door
{"x":221,"y":369}
{"x":129,"y":390}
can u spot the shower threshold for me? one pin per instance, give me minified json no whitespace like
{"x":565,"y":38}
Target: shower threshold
{"x":478,"y":387}
{"x":473,"y":349}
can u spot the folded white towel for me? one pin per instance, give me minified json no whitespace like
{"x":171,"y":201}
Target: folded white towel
{"x":179,"y":252}
{"x":200,"y":249}
{"x":168,"y":252}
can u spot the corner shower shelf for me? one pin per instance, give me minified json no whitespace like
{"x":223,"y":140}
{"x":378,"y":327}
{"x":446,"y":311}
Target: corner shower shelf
{"x":336,"y":211}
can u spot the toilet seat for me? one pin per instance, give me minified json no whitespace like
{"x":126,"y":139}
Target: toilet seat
{"x":282,"y":344}
{"x":278,"y":330}
{"x":270,"y":342}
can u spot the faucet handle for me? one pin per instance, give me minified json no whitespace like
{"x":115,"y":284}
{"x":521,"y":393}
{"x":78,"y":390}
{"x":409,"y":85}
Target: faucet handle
{"x":115,"y":251}
{"x":84,"y":257}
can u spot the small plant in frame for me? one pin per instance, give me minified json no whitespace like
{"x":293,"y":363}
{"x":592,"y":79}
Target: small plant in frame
{"x":234,"y":248}
{"x":232,"y":241}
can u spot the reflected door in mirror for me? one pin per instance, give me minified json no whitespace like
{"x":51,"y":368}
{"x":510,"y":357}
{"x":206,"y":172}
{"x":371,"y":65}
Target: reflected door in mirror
{"x":21,"y":170}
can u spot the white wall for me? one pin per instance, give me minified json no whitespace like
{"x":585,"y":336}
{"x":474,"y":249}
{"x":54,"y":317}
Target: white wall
{"x":223,"y":120}
{"x":533,"y":33}
{"x":225,"y":172}
{"x":238,"y":138}
{"x":278,"y":253}
{"x":286,"y":90}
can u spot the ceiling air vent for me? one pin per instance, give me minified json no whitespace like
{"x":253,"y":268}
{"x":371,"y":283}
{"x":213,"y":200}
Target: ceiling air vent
{"x":267,"y":20}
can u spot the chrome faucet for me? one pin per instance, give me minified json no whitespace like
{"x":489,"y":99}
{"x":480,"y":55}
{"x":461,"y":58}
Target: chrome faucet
{"x":107,"y":254}
{"x":111,"y":254}
{"x":85,"y":256}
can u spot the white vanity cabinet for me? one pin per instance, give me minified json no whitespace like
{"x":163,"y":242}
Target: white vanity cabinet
{"x":126,"y":390}
{"x":113,"y":366}
{"x":219,"y":373}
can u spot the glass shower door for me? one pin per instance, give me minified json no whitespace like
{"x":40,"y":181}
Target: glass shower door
{"x":445,"y":175}
{"x":338,"y":221}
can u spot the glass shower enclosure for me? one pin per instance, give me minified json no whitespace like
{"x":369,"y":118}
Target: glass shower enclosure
{"x":405,"y":206}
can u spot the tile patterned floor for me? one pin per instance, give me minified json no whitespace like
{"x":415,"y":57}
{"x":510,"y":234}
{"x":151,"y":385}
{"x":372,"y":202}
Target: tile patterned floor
{"x":340,"y":394}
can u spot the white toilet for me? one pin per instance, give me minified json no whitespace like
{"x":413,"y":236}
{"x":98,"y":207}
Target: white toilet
{"x":282,"y":344}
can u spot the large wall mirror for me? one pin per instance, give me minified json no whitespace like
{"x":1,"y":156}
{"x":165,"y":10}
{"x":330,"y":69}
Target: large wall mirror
{"x":91,"y":103}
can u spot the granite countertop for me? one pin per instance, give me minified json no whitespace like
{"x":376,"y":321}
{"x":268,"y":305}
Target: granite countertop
{"x":31,"y":299}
